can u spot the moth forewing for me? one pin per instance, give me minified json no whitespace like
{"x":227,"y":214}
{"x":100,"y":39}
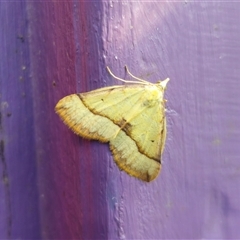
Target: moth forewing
{"x":130,"y":117}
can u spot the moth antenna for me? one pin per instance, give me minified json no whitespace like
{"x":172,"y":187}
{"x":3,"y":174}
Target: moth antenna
{"x":127,"y":81}
{"x":139,"y":79}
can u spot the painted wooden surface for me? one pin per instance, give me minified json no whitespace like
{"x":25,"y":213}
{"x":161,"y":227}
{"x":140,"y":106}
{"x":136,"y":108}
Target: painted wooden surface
{"x":55,"y":185}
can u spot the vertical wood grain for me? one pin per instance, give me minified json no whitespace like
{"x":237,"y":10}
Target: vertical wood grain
{"x":55,"y":185}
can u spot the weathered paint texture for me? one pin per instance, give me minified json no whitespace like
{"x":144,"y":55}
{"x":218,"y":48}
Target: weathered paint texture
{"x":57,"y":186}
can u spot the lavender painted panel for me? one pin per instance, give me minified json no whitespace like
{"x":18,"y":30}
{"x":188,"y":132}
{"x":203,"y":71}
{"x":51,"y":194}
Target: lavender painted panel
{"x":196,"y":45}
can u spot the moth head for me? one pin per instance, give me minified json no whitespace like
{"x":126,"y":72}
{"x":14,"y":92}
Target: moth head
{"x":163,"y":83}
{"x":158,"y":89}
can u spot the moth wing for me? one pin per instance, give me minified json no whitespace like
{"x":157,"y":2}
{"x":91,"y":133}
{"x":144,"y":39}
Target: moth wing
{"x":130,"y":108}
{"x":83,"y":121}
{"x":121,"y":116}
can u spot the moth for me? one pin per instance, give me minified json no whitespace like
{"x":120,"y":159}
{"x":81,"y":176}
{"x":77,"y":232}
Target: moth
{"x":130,"y":117}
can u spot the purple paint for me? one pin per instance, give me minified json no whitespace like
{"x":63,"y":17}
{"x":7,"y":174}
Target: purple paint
{"x":58,"y":186}
{"x":19,"y":191}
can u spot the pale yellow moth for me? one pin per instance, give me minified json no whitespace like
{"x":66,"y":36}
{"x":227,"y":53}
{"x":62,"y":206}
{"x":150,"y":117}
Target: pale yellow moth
{"x":131,"y":118}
